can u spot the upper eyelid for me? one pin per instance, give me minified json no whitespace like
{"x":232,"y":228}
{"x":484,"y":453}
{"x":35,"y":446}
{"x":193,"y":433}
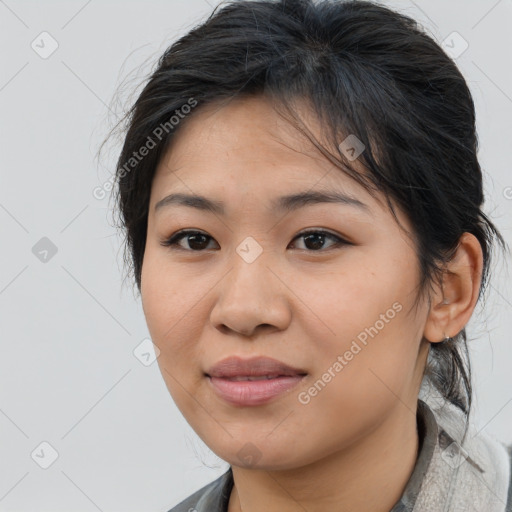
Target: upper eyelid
{"x":306,"y":231}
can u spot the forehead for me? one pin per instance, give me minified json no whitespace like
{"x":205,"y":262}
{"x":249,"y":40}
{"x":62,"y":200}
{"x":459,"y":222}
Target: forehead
{"x":242,"y":156}
{"x":243,"y":149}
{"x":240,"y":128}
{"x":245,"y":139}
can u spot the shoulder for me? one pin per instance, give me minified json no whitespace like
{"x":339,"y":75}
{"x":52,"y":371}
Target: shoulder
{"x":479,"y":463}
{"x":213,"y":497}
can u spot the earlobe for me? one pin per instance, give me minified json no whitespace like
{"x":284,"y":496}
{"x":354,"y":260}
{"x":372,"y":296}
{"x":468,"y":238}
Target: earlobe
{"x":456,"y":296}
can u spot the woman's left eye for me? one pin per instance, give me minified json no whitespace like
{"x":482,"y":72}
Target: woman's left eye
{"x":314,"y":239}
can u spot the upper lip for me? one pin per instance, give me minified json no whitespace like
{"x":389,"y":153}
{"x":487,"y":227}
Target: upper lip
{"x":252,"y":367}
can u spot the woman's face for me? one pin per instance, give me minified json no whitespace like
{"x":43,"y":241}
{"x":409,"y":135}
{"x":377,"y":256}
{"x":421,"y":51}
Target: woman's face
{"x":252,"y":283}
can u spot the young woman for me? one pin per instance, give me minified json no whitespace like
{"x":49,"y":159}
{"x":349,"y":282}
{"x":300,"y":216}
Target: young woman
{"x":302,"y":200}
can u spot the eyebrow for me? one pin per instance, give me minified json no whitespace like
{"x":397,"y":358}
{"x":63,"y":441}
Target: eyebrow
{"x":282,"y":204}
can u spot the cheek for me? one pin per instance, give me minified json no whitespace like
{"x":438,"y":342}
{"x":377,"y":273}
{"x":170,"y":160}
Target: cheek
{"x":174,"y":326}
{"x":348,"y":302}
{"x":359,"y":384}
{"x":363,"y":312}
{"x":172,"y":309}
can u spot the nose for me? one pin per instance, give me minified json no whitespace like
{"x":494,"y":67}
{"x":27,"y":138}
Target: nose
{"x":251,"y":297}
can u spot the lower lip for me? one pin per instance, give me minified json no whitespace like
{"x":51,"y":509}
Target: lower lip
{"x":253,"y":392}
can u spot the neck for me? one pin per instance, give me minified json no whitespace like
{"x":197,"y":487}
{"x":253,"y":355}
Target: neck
{"x":368,"y":476}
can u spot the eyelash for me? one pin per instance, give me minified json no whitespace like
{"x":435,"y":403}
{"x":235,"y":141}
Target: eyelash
{"x":172,"y":242}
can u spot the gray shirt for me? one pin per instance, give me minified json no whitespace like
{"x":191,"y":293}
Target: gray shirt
{"x":445,"y":478}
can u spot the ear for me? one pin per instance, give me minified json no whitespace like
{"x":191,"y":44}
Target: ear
{"x":455,"y":298}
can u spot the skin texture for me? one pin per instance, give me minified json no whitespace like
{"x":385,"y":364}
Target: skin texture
{"x":296,"y":303}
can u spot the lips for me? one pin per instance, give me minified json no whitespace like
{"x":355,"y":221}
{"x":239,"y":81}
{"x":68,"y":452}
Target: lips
{"x":255,"y":368}
{"x":252,"y":382}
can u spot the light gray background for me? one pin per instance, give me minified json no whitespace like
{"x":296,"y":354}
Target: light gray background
{"x":69,"y":376}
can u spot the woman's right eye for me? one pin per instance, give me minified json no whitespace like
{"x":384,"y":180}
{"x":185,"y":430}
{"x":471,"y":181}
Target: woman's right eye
{"x":196,"y":240}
